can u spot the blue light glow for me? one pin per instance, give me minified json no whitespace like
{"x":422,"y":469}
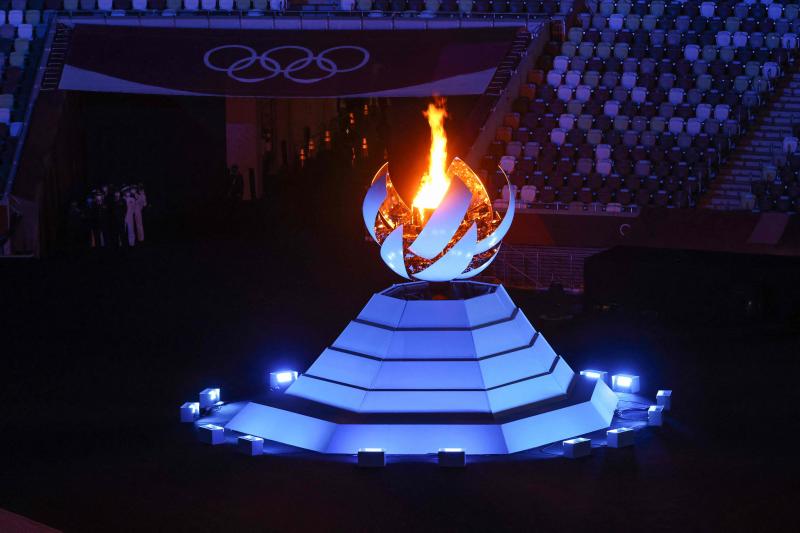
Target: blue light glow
{"x":212,"y":427}
{"x":285,"y":377}
{"x":209,"y":397}
{"x":281,"y":379}
{"x":625,"y":383}
{"x":591,"y":374}
{"x":451,"y":450}
{"x":371,"y":450}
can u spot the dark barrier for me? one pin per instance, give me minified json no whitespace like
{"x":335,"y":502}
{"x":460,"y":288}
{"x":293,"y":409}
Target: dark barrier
{"x":278,"y":63}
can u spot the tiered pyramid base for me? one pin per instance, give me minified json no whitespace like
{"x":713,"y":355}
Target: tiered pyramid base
{"x":425,"y":367}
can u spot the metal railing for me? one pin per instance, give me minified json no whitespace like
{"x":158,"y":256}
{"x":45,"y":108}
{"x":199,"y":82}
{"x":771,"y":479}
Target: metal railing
{"x":539,"y":267}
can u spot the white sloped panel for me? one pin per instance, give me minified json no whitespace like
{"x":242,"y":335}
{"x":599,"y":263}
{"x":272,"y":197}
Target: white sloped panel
{"x":434,"y":314}
{"x":563,"y":374}
{"x":383,"y":310}
{"x":556,"y":425}
{"x":431,"y":344}
{"x":516,"y":365}
{"x":523,"y":393}
{"x":283,"y":426}
{"x":366,"y":339}
{"x":428,"y":375}
{"x":419,"y":438}
{"x":425,"y":402}
{"x":345,"y":367}
{"x":328,"y":393}
{"x":488,"y":308}
{"x":503,"y":336}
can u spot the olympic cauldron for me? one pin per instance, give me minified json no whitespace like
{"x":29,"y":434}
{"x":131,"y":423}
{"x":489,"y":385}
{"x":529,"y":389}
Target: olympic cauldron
{"x":457,"y":239}
{"x":420,"y":369}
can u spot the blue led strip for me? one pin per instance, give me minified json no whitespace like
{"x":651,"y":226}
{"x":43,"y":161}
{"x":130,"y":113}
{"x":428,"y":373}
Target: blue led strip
{"x":542,"y":374}
{"x":438,"y":359}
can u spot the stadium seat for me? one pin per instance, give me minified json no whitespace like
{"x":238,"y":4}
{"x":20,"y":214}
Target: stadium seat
{"x":528,"y":194}
{"x":25,"y":31}
{"x":15,"y":17}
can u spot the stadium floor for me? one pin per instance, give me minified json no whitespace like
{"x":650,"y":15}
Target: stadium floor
{"x":101,"y":349}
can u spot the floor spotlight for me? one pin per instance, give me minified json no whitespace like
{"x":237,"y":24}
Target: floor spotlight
{"x":452,"y":457}
{"x":664,"y":399}
{"x":190,"y":411}
{"x":211,"y":434}
{"x":620,"y":437}
{"x":655,"y":415}
{"x":625,"y":383}
{"x":250,"y":445}
{"x":371,"y":457}
{"x":577,"y":447}
{"x":209,"y":397}
{"x":595,"y":374}
{"x":281,"y":379}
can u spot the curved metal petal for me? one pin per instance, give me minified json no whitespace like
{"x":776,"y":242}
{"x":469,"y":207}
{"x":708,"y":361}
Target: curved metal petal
{"x":374,"y":198}
{"x":392,"y":252}
{"x":453,"y":263}
{"x":497,"y":235}
{"x":444,"y":221}
{"x":475,"y":271}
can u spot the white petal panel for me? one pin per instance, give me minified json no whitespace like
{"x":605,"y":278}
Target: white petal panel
{"x":374,"y":198}
{"x":443,"y":223}
{"x":498,"y":234}
{"x":392,"y":252}
{"x":455,"y":261}
{"x":475,"y":271}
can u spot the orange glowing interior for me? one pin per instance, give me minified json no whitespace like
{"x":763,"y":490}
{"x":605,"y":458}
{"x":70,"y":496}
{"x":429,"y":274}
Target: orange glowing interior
{"x":435,"y":182}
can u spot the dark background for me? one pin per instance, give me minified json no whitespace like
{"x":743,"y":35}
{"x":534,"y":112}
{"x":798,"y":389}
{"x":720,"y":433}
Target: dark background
{"x":100,"y":348}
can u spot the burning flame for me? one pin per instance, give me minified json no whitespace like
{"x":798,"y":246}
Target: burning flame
{"x":434,"y":183}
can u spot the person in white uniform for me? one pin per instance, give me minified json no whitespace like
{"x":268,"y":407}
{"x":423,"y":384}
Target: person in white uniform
{"x":130,"y":208}
{"x":140,"y":199}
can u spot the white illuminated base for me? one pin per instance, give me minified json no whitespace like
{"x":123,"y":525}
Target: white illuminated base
{"x":250,"y":445}
{"x":411,"y":375}
{"x":211,"y":434}
{"x":577,"y":447}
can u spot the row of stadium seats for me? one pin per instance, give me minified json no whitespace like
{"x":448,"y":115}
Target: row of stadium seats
{"x":670,"y":99}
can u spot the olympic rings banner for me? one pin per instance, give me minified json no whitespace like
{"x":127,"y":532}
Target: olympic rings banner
{"x":279,"y":63}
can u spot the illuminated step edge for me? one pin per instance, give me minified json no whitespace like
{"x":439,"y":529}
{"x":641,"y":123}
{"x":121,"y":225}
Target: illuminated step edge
{"x":357,"y":370}
{"x":388,"y":308}
{"x":444,"y":343}
{"x":558,"y":423}
{"x":553,"y":383}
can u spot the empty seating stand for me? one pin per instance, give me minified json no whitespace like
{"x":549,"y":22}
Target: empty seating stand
{"x":642,"y":100}
{"x":21,"y":34}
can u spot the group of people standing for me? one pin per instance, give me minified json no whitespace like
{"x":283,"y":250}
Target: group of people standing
{"x":110,"y":217}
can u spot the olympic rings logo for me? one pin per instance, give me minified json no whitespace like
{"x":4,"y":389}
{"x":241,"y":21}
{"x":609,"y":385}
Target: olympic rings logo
{"x":274,"y":68}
